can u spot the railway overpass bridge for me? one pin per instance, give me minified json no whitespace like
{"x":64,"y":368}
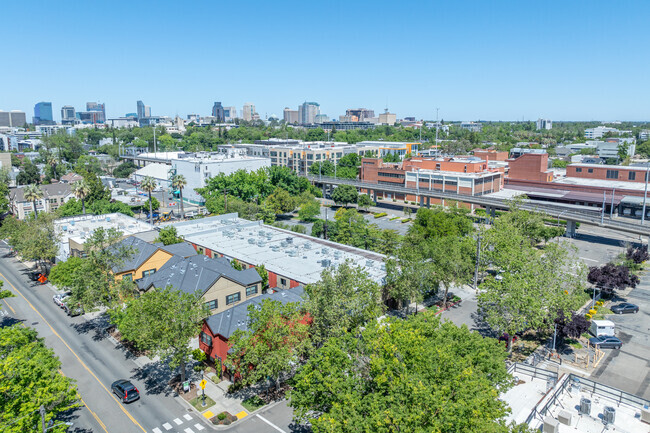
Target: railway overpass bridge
{"x":572,"y":214}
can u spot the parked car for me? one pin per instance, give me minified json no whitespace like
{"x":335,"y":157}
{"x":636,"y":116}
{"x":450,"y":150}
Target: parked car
{"x":624,"y":308}
{"x":606,"y":342}
{"x":60,"y":298}
{"x":72,"y":310}
{"x":125,"y":390}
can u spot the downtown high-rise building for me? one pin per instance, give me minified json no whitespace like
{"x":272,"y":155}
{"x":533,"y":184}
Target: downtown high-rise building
{"x":140,"y":110}
{"x":290,"y":116}
{"x":98,"y":111}
{"x":307,"y":112}
{"x":248,"y":113}
{"x":14,"y":118}
{"x":359,"y":114}
{"x":43,"y":114}
{"x":229,"y":114}
{"x":68,"y":114}
{"x":217,"y":111}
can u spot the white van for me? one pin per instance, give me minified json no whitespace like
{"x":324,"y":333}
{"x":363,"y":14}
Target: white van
{"x":602,"y":328}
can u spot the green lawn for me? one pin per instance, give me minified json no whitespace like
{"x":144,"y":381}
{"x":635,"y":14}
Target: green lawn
{"x":252,"y":403}
{"x":196,"y":402}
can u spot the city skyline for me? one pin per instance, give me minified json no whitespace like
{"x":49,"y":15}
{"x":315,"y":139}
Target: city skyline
{"x":472,"y":60}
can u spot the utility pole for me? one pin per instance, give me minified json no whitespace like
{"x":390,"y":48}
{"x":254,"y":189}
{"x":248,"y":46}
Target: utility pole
{"x":611,"y":209}
{"x":645,"y":193}
{"x":437,"y":126}
{"x":325,"y":228}
{"x":225,"y":201}
{"x":478,"y":254}
{"x":602,"y":213}
{"x":42,"y":412}
{"x":154,"y":141}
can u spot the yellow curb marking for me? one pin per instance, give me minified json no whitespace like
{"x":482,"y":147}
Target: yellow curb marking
{"x":241,"y":414}
{"x":208,"y":414}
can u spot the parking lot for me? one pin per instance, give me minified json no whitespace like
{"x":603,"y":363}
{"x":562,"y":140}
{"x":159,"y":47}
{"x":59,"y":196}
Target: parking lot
{"x":628,"y":369}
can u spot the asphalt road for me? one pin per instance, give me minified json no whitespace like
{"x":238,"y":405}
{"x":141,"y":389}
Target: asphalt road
{"x":90,"y":358}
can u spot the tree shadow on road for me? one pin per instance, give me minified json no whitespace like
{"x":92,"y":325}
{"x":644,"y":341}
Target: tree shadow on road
{"x":7,"y":321}
{"x":299,"y":428}
{"x":155,"y":376}
{"x":96,"y":326}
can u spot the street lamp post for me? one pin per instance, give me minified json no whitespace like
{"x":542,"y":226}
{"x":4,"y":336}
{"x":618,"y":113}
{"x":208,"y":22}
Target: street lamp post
{"x":645,"y":193}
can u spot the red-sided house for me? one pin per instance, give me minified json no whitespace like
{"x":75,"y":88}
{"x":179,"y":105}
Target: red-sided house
{"x":218,"y":328}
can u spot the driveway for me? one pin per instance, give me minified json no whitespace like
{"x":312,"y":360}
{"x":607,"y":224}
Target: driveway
{"x":629,"y":368}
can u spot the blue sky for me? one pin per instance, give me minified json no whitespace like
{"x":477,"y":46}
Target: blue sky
{"x":492,"y":60}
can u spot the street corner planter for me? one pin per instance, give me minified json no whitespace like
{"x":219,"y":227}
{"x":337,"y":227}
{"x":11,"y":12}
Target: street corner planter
{"x":223,"y":418}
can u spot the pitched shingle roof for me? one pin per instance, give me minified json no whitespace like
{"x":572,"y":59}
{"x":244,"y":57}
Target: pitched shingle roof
{"x":197,"y":273}
{"x":227,"y":322}
{"x":17,"y":195}
{"x":140,"y":252}
{"x":183,"y":249}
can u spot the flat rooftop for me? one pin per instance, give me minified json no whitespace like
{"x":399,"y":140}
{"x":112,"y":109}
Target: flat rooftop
{"x":540,"y":395}
{"x":79,"y":227}
{"x":292,"y":255}
{"x":602,"y":183}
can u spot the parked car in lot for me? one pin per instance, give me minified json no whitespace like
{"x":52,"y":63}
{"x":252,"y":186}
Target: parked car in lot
{"x":606,"y":342}
{"x":60,"y":298}
{"x":624,"y":308}
{"x":125,"y":390}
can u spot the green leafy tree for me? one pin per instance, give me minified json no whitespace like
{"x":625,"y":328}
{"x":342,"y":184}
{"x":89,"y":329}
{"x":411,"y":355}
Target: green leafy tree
{"x":309,"y":211}
{"x":81,"y":190}
{"x":277,"y":338}
{"x":33,"y":239}
{"x":153,"y":204}
{"x":364,"y":202}
{"x":31,"y":379}
{"x":168,"y":236}
{"x":28,"y":174}
{"x":148,"y":185}
{"x":411,"y":375}
{"x":124,"y":170}
{"x":264,"y":274}
{"x":345,"y":299}
{"x":179,"y":182}
{"x":5,"y":180}
{"x":345,"y":194}
{"x":236,"y":264}
{"x":163,"y":322}
{"x":66,"y":274}
{"x":33,"y":193}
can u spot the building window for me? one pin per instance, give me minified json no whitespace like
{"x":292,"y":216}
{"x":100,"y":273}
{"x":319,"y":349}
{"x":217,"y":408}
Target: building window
{"x":127,"y":277}
{"x":578,"y":170}
{"x":212,"y":305}
{"x":251,"y":290}
{"x":437,"y":166}
{"x":631,"y":175}
{"x":612,"y":174}
{"x":148,"y":272}
{"x":283,"y":282}
{"x":590,"y":170}
{"x":235,"y":297}
{"x":206,"y":339}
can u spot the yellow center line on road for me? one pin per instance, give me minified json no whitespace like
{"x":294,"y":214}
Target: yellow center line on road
{"x":10,"y":307}
{"x":75,"y":355}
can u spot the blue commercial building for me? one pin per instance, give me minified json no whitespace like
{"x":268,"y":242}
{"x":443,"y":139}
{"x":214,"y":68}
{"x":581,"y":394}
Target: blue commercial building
{"x":43,"y":114}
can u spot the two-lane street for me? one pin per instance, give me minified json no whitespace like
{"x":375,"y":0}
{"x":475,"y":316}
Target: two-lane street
{"x":89,"y":357}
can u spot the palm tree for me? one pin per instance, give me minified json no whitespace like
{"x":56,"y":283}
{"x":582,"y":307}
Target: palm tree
{"x":179,"y":182}
{"x":53,"y":162}
{"x":33,"y":193}
{"x":149,"y":184}
{"x":81,"y":190}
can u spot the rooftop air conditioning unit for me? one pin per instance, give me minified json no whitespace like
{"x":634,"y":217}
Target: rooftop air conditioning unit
{"x":645,"y":414}
{"x":564,"y":417}
{"x":609,"y":415}
{"x":551,"y":425}
{"x":585,"y":406}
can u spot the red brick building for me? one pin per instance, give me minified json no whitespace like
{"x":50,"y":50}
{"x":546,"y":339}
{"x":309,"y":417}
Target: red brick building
{"x":622,"y":173}
{"x":530,"y":167}
{"x":490,"y":154}
{"x":462,"y":175}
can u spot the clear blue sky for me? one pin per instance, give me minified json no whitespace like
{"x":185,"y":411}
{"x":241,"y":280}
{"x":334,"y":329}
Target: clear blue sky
{"x":493,"y":60}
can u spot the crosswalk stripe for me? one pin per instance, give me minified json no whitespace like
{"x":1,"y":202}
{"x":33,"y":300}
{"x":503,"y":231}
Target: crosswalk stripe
{"x":167,"y":426}
{"x":157,"y":430}
{"x":189,"y":430}
{"x":199,"y":427}
{"x":187,"y":417}
{"x":178,"y":421}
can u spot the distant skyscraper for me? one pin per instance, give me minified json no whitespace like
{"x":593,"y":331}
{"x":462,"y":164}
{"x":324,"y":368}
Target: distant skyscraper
{"x":229,"y":114}
{"x":140,"y":110}
{"x":68,"y":114}
{"x":307,"y":112}
{"x":544,"y":124}
{"x":248,"y":113}
{"x":290,"y":116}
{"x":43,"y":113}
{"x":98,"y":111}
{"x":147,"y":111}
{"x":360,"y":113}
{"x":217,"y":111}
{"x":14,"y":118}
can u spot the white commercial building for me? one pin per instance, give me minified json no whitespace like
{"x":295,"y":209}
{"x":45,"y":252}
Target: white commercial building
{"x":198,"y":169}
{"x":599,"y":131}
{"x":544,"y":124}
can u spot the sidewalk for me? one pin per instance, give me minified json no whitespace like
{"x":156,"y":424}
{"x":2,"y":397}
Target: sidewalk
{"x":223,"y":401}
